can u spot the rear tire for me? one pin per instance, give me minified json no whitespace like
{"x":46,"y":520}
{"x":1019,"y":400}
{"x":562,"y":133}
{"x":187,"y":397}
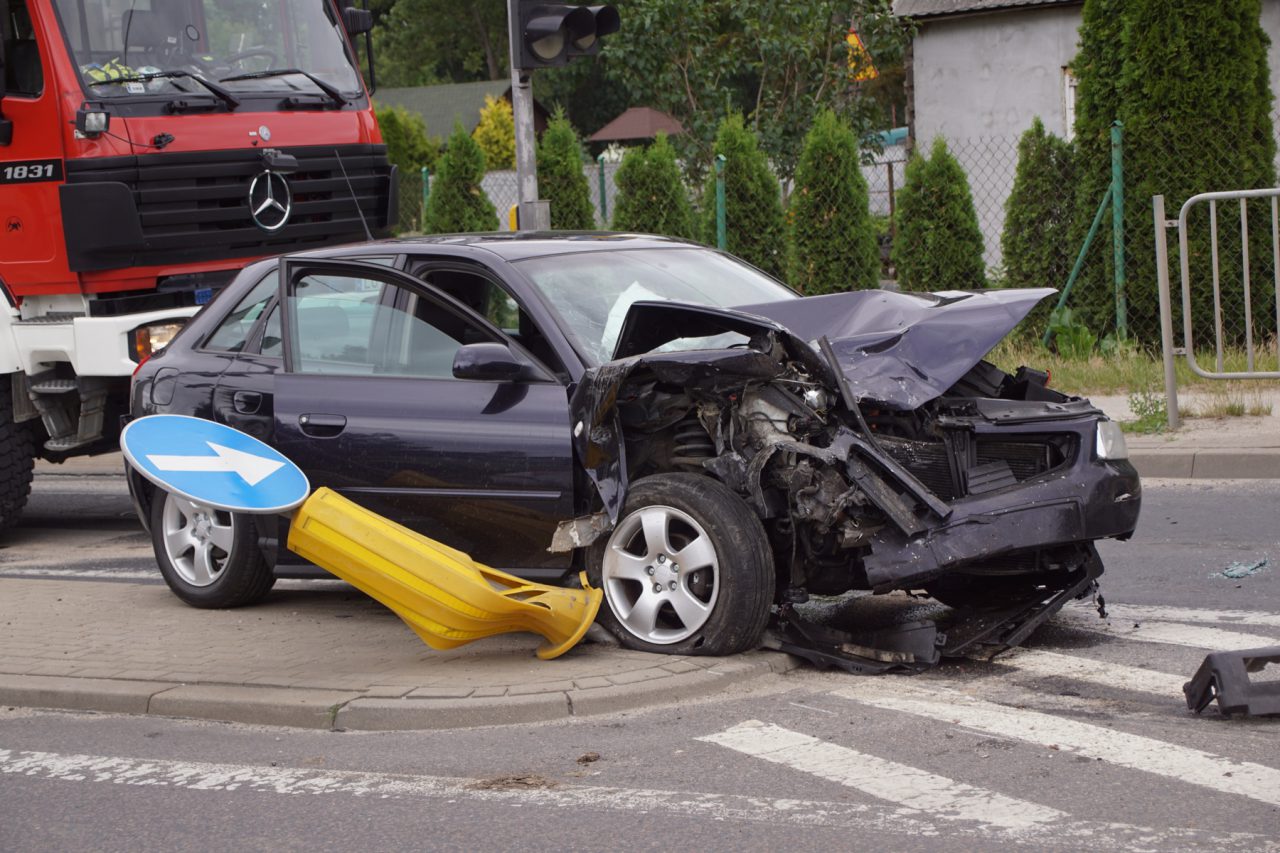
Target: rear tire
{"x":17,"y":462}
{"x":702,"y":587}
{"x":209,"y":558}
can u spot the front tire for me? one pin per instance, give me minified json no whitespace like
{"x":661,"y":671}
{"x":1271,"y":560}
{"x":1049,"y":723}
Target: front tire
{"x":209,"y":558}
{"x":687,"y":570}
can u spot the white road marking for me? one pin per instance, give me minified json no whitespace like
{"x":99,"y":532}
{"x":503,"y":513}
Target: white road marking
{"x":1168,"y":633}
{"x":895,"y":821}
{"x":83,"y":574}
{"x":1042,"y":663}
{"x":1179,"y":763}
{"x":1139,"y":612}
{"x":251,"y":468}
{"x":887,"y":780}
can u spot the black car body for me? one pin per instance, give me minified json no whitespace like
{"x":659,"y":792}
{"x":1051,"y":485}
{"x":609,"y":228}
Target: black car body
{"x":566,"y":382}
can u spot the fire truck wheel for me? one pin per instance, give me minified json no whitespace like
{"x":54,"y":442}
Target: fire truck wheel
{"x":17,"y":460}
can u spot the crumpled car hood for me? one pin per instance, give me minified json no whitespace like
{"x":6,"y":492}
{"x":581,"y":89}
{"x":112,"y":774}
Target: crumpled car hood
{"x":900,"y":350}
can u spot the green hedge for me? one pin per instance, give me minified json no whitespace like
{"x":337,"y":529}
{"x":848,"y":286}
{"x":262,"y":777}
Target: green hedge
{"x":651,"y":194}
{"x":457,"y":203}
{"x":833,"y":239}
{"x":938,"y":245}
{"x":561,"y":180}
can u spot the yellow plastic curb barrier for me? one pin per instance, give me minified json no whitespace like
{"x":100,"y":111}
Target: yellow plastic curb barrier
{"x":443,"y":595}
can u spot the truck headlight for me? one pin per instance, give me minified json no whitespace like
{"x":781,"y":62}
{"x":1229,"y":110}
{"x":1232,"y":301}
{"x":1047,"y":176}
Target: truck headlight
{"x":148,"y":340}
{"x":1111,"y":443}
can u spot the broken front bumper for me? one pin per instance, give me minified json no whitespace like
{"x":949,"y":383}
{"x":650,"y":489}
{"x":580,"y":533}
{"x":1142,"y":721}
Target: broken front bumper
{"x":1082,"y":500}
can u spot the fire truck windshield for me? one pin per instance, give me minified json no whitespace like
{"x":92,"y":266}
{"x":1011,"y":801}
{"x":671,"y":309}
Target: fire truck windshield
{"x":131,"y":48}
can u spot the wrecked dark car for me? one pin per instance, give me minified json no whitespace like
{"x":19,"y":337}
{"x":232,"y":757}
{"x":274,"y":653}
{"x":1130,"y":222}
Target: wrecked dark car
{"x":710,"y":447}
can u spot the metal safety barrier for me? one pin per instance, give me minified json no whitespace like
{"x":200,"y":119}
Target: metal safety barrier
{"x":1187,"y":349}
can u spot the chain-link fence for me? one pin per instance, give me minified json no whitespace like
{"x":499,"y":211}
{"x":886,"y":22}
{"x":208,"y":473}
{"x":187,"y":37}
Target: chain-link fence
{"x":1022,"y":230}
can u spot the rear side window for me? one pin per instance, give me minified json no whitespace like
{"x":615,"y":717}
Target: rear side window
{"x":233,"y":332}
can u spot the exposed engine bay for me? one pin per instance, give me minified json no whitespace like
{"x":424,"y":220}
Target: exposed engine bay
{"x":885,"y":455}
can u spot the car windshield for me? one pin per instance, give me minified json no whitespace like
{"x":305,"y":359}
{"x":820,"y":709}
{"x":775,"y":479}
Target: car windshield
{"x":130,"y":48}
{"x":592,"y":291}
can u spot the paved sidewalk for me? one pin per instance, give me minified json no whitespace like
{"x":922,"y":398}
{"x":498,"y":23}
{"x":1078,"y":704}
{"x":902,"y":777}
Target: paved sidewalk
{"x":1245,"y":447}
{"x":319,"y":657}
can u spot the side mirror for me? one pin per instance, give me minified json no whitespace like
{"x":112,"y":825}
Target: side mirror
{"x":357,"y":21}
{"x":491,"y":362}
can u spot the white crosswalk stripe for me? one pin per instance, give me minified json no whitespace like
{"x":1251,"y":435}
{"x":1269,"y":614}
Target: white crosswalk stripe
{"x":1040,"y":663}
{"x":1170,"y":760}
{"x":898,"y":783}
{"x":1141,"y":612}
{"x":937,"y":698}
{"x":1168,"y":633}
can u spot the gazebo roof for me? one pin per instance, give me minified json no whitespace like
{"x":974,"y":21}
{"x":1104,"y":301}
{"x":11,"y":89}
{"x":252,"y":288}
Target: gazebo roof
{"x":638,"y":123}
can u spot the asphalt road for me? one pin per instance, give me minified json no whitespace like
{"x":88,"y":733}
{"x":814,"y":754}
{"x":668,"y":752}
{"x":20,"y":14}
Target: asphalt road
{"x":1080,"y":741}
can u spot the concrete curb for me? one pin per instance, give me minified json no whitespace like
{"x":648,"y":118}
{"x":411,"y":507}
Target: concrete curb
{"x":365,"y":711}
{"x":1206,"y":463}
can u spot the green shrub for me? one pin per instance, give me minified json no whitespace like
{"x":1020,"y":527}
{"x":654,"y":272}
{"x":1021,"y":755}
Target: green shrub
{"x":833,"y":237}
{"x":937,"y":245}
{"x":756,"y":229}
{"x":496,"y":133}
{"x":1193,"y":93}
{"x":1071,"y":335}
{"x":457,"y":203}
{"x":1038,"y":218}
{"x":651,"y":194}
{"x":405,"y":136}
{"x":561,"y":180}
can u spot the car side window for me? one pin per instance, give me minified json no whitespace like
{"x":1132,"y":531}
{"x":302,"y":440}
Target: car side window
{"x":233,"y":332}
{"x":350,"y":325}
{"x":491,"y":301}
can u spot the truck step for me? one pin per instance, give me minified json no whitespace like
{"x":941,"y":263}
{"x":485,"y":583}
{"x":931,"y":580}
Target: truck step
{"x":70,"y":442}
{"x":53,"y":386}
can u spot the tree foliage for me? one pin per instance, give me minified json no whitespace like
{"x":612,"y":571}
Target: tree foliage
{"x":457,"y":202}
{"x":1189,"y":81}
{"x":777,"y":63}
{"x":561,"y":180}
{"x":496,"y":133}
{"x":753,"y":200}
{"x":938,"y":245}
{"x":405,"y":136}
{"x":651,"y":193}
{"x":423,"y":42}
{"x":833,"y":240}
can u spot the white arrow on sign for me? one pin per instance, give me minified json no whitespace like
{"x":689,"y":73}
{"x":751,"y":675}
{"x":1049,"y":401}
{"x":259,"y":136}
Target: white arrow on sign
{"x":252,"y":469}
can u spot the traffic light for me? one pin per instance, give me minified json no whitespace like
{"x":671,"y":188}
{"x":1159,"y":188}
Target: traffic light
{"x":551,"y":34}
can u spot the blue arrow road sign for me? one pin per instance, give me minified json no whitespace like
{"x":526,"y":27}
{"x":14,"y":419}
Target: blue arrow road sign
{"x":213,"y":464}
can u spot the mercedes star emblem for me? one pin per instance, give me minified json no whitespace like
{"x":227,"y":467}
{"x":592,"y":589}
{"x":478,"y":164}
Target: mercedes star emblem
{"x":270,"y":200}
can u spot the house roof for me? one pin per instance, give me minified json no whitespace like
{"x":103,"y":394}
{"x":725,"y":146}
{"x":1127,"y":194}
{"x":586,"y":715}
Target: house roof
{"x":637,"y":123}
{"x":440,"y":105}
{"x":942,"y":8}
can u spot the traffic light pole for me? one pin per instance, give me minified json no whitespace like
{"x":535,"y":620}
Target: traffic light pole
{"x":533,"y":214}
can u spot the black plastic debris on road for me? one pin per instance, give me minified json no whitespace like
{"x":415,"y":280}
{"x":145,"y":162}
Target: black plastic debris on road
{"x":1225,"y":676}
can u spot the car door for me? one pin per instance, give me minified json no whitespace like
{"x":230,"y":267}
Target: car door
{"x":368,"y":404}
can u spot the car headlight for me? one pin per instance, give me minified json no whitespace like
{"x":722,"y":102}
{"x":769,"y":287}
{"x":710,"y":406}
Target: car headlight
{"x":148,"y":340}
{"x":1111,"y":443}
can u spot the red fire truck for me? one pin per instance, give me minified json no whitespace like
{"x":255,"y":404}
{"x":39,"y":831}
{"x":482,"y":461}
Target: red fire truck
{"x":147,"y":149}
